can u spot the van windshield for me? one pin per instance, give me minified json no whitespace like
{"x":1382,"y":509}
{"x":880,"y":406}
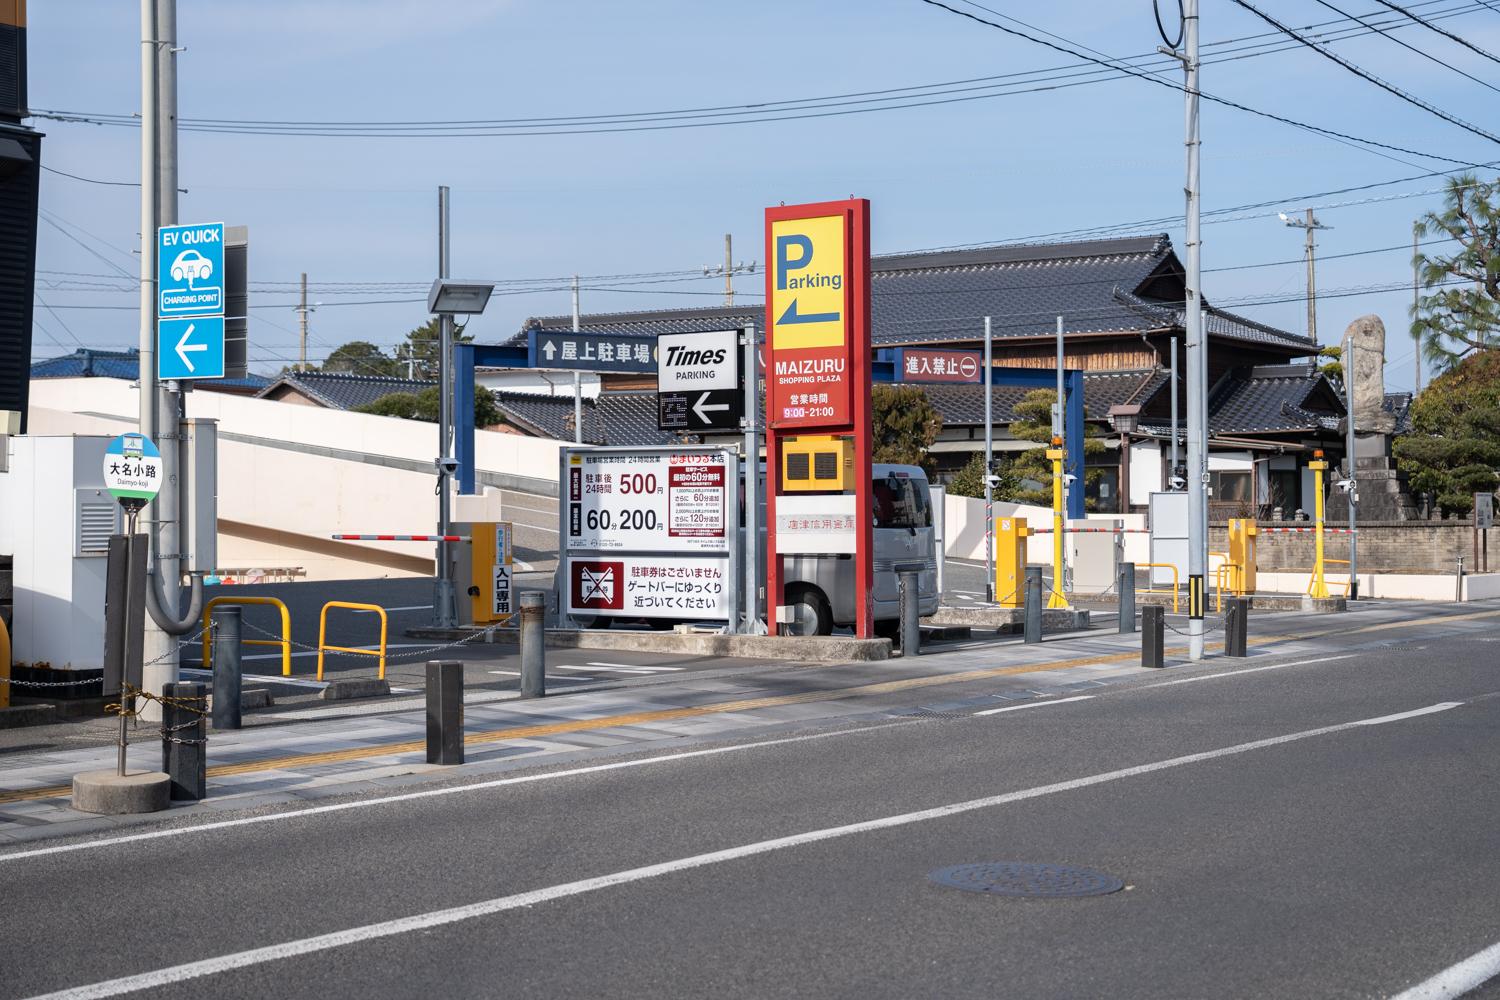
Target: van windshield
{"x":901,"y":502}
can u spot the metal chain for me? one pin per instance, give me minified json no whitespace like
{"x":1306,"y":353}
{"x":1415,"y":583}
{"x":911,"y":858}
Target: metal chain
{"x":15,"y":682}
{"x":405,"y":654}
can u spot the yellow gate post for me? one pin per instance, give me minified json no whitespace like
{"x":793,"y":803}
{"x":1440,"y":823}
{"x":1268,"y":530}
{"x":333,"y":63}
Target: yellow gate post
{"x":1242,"y":534}
{"x":1318,"y":586}
{"x":1010,"y":561}
{"x":491,"y":594}
{"x":1056,"y":454}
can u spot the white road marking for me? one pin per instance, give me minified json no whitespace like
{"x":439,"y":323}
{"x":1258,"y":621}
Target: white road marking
{"x":517,"y":673}
{"x":269,"y":678}
{"x":1250,"y":670}
{"x":435,"y":792}
{"x":632,"y":666}
{"x":1456,"y":980}
{"x":438,"y":918}
{"x":1036,"y":704}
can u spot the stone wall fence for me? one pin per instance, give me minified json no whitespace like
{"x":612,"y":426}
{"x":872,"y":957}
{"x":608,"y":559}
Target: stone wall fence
{"x":1384,"y":546}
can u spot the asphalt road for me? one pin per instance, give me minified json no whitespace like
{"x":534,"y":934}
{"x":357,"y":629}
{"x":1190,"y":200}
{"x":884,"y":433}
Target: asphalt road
{"x":1327,"y":828}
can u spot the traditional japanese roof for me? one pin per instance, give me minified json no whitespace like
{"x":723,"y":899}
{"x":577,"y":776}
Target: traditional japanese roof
{"x":617,"y":418}
{"x":1398,"y":405}
{"x":1124,"y":285}
{"x":342,"y":391}
{"x":1273,"y":399}
{"x":89,"y":363}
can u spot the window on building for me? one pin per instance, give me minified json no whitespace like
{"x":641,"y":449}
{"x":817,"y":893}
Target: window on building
{"x":1230,"y":485}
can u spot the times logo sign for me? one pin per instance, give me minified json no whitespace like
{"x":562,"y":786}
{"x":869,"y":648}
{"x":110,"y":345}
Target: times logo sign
{"x":689,"y":361}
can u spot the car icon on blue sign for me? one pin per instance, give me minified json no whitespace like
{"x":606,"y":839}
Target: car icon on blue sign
{"x":191,"y":265}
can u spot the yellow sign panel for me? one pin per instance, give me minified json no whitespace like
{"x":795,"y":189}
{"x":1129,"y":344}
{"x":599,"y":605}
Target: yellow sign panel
{"x":808,"y":294}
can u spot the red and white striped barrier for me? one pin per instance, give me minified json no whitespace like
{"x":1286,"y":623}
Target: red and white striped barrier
{"x":1088,"y":531}
{"x":401,"y":538}
{"x":1309,"y":531}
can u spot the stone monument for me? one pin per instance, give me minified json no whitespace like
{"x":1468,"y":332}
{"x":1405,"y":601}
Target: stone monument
{"x":1383,"y":492}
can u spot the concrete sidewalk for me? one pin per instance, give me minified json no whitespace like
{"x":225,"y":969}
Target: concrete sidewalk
{"x":357,"y":753}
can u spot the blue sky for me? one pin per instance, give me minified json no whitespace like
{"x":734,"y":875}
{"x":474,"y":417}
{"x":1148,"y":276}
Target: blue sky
{"x":363,"y":210}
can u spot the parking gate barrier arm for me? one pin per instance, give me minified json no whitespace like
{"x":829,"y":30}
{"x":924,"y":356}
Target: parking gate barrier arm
{"x":323,"y":634}
{"x":285,"y":642}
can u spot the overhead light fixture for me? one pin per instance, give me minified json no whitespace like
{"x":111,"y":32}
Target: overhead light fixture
{"x":459,"y":298}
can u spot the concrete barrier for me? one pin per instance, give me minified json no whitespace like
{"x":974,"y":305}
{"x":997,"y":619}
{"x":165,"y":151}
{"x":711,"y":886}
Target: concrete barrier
{"x":815,"y":649}
{"x":355,"y":687}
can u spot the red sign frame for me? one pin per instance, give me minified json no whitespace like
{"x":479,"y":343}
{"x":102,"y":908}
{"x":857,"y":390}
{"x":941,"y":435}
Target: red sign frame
{"x":841,"y":372}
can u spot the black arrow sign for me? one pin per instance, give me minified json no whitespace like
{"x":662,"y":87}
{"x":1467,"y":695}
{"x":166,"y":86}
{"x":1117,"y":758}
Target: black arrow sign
{"x":709,"y":410}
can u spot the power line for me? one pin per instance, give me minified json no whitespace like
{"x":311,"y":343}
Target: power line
{"x":1132,"y":71}
{"x":1447,"y":34}
{"x":1421,"y":52}
{"x":1366,"y":74}
{"x":91,"y":180}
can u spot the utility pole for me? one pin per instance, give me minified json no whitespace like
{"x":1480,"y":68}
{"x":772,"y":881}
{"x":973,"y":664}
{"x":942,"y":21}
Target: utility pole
{"x":157,"y":642}
{"x":443,"y":607}
{"x":1348,"y":361}
{"x":577,"y":380}
{"x":1310,"y":224}
{"x":1416,"y":230}
{"x":302,"y":327}
{"x":1197,"y":348}
{"x":729,"y":269}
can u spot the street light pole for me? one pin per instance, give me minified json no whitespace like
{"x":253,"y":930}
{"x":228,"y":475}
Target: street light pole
{"x":989,"y":459}
{"x":443,"y":607}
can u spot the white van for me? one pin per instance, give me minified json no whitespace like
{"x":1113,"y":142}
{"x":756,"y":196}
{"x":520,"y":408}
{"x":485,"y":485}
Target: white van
{"x":820,"y":588}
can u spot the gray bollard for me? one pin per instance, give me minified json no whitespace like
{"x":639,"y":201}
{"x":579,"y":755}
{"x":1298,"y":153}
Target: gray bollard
{"x":533,"y":644}
{"x":1236,"y":626}
{"x":1153,"y":632}
{"x":445,"y":712}
{"x":184,"y":736}
{"x":226,"y":633}
{"x":1125,"y":585}
{"x":1034,"y":600}
{"x":911,"y":599}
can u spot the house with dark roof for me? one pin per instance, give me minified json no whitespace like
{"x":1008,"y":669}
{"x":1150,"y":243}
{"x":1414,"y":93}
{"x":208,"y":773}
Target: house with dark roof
{"x":88,"y":363}
{"x":337,"y":390}
{"x":1121,"y":304}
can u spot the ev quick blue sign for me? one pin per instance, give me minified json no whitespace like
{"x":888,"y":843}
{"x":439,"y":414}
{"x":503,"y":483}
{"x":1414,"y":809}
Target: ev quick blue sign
{"x":190,"y":301}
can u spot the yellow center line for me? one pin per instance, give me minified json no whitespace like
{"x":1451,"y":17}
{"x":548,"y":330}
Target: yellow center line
{"x":295,"y":761}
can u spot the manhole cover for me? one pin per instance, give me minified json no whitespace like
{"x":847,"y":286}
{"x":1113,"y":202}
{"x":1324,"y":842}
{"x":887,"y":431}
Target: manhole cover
{"x":1010,"y":878}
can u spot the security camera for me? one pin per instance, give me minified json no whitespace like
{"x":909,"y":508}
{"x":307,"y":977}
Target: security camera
{"x":446,"y":465}
{"x":1069,"y":479}
{"x":1177,"y":483}
{"x":1345,"y":485}
{"x":992,"y":480}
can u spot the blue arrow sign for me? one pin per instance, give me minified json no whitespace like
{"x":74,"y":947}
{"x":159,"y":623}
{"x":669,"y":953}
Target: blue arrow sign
{"x":793,"y":316}
{"x":190,"y":348}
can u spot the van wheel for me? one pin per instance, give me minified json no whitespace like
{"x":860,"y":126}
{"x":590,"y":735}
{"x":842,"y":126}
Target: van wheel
{"x":810,"y":613}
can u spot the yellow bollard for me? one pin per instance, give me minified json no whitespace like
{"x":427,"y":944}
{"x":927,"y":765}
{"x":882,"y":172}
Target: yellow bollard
{"x":1010,"y":561}
{"x":1318,"y":586}
{"x":1056,"y":599}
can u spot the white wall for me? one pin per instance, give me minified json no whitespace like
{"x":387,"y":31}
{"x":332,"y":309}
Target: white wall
{"x":1389,"y":586}
{"x":300,"y":496}
{"x":540,"y":383}
{"x":59,"y":600}
{"x":965,"y":529}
